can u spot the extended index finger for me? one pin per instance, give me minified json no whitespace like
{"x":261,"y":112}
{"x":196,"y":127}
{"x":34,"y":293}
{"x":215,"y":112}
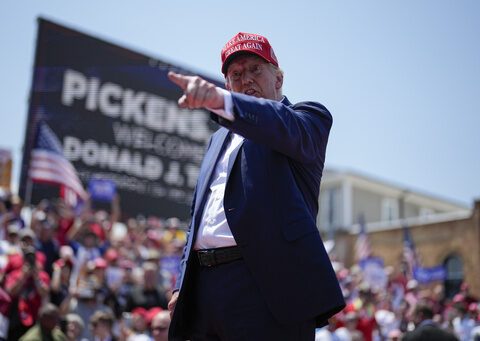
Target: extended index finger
{"x":178,"y":79}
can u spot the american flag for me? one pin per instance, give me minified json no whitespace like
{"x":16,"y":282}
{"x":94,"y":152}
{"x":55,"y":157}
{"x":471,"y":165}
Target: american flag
{"x":410,"y":255}
{"x":363,"y":248}
{"x":48,"y":165}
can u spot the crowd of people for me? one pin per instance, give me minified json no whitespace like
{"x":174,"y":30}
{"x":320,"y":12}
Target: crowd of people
{"x":75,"y":277}
{"x":398,"y":307}
{"x":84,"y":275}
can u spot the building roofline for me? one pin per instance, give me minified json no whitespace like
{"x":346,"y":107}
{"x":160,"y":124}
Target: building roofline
{"x":379,"y":181}
{"x":413,"y":221}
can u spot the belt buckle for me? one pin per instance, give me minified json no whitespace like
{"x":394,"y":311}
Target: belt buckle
{"x":207,"y":258}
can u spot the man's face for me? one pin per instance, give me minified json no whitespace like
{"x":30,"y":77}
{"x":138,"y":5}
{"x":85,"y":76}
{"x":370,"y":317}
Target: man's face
{"x":13,"y":238}
{"x":26,"y":241}
{"x":417,"y":318}
{"x":138,"y":323}
{"x":159,"y":328}
{"x":65,"y":273}
{"x":150,"y":278}
{"x":101,"y":329}
{"x":49,"y":321}
{"x":73,"y":330}
{"x":46,"y":233}
{"x":251,"y":75}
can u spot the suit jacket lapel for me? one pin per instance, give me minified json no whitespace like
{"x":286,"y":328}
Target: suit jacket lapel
{"x":211,"y":160}
{"x":286,"y":101}
{"x":233,"y":157}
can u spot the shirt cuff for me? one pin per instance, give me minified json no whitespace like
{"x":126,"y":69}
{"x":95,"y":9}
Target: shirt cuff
{"x":227,"y":111}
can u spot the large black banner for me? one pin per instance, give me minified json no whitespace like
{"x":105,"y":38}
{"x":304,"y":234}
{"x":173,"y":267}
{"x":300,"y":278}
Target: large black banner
{"x":115,"y":113}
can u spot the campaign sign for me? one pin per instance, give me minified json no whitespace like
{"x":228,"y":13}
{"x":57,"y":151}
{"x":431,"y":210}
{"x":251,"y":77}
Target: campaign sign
{"x":374,"y":273}
{"x":101,"y":189}
{"x":171,"y":264}
{"x":116,"y":115}
{"x":427,"y":275}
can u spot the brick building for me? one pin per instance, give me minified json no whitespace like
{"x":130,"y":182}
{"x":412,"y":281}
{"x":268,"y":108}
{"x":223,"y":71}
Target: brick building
{"x":444,"y":232}
{"x":452,"y":240}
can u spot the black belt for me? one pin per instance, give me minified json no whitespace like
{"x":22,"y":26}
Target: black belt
{"x":221,"y":255}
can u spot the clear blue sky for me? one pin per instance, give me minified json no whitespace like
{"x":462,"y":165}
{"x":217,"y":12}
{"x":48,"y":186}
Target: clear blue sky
{"x":401,"y":78}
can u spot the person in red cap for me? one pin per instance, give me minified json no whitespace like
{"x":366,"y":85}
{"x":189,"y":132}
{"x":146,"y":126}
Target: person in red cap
{"x":105,"y":293}
{"x":139,"y":324}
{"x":254,"y":266}
{"x":159,"y":326}
{"x":27,"y":287}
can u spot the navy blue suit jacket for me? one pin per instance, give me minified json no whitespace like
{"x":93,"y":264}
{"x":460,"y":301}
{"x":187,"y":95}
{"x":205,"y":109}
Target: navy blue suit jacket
{"x":429,"y":332}
{"x":271,"y":204}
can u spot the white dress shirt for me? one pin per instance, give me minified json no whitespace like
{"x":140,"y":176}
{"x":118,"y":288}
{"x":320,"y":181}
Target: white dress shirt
{"x":214,"y":231}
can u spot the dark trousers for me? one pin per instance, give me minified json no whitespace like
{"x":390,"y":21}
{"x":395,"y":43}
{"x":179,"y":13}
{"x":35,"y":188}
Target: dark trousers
{"x":227,"y":306}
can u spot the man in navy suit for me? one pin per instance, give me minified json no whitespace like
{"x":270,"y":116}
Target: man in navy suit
{"x":426,"y":329}
{"x":254,"y":266}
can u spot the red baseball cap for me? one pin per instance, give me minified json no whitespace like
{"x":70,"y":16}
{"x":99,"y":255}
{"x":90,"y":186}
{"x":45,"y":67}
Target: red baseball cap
{"x":97,"y":230}
{"x":111,"y":255}
{"x":247,"y":42}
{"x":151,"y":313}
{"x":62,"y":262}
{"x":100,"y":263}
{"x":139,"y":311}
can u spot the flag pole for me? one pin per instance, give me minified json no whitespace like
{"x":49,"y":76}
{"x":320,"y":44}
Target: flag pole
{"x":28,"y":192}
{"x":29,"y":186}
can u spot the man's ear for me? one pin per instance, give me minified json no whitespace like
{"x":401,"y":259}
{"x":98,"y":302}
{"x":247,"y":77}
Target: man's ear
{"x":279,"y":80}
{"x":227,"y":86}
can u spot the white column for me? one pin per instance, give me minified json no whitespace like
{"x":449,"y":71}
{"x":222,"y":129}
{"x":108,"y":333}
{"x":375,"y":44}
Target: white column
{"x":347,"y":203}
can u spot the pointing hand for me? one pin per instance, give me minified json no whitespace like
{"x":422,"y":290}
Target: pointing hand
{"x":197,"y":92}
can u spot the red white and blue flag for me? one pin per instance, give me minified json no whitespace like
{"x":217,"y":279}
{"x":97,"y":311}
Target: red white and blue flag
{"x":363,"y":248}
{"x":48,"y":165}
{"x":410,"y":253}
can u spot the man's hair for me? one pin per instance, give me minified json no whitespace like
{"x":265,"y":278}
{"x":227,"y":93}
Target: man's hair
{"x":102,"y":316}
{"x":162,"y":315}
{"x":275,"y":69}
{"x":425,"y":309}
{"x":47,"y":309}
{"x":149,"y":266}
{"x":75,"y":319}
